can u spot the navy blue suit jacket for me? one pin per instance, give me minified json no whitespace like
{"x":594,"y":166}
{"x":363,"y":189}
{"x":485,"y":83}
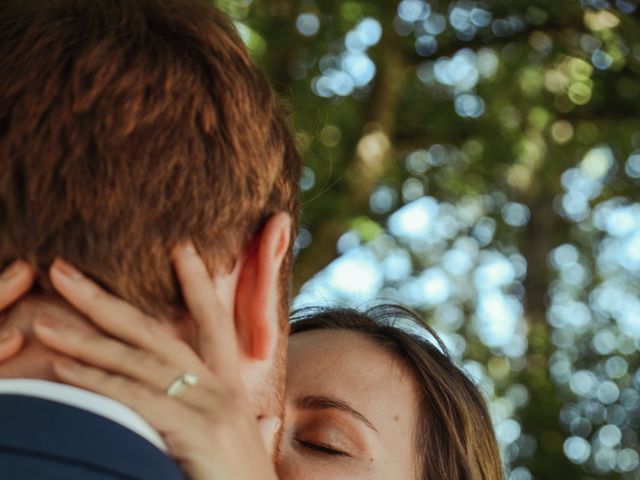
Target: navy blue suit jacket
{"x":45,"y":440}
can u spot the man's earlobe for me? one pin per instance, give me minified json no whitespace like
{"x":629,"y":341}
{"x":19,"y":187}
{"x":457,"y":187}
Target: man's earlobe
{"x":259,"y":289}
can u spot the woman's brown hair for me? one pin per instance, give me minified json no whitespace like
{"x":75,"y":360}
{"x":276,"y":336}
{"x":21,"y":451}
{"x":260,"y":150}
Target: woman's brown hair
{"x":455,"y":439}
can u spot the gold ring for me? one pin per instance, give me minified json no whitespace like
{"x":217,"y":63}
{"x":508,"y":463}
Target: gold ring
{"x":180,"y":384}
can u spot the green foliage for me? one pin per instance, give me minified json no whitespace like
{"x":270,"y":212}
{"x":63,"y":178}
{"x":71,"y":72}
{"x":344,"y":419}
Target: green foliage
{"x":521,"y":119}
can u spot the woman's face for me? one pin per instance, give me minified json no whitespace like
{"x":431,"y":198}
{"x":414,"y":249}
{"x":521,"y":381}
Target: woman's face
{"x":351,"y":410}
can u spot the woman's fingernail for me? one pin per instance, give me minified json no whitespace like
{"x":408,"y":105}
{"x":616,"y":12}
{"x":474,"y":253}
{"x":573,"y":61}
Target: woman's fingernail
{"x":6,"y":336}
{"x":189,"y":247}
{"x":12,"y":270}
{"x":66,"y":365}
{"x":66,"y":269}
{"x":270,"y":425}
{"x":48,"y":327}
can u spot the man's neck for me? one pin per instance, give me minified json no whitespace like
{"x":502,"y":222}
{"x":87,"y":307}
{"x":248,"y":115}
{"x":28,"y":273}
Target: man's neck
{"x":34,"y":360}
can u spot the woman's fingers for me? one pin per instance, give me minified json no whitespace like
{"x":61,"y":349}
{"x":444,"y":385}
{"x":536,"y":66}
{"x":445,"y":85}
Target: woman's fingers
{"x":103,"y":352}
{"x":11,"y":342}
{"x":118,"y":358}
{"x":161,"y":411}
{"x":15,"y":281}
{"x":148,"y":350}
{"x":114,"y":315}
{"x":216,"y":328}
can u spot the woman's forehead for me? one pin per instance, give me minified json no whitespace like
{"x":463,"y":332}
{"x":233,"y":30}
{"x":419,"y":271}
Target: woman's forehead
{"x":349,"y":364}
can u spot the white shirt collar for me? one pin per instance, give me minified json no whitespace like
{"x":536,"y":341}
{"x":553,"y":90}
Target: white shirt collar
{"x":84,"y":400}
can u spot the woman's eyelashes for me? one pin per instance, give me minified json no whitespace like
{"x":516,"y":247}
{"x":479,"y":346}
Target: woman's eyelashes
{"x":322,"y":448}
{"x":324,"y":434}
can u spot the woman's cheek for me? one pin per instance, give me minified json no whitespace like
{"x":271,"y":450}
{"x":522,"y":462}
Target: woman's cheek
{"x":295,"y":466}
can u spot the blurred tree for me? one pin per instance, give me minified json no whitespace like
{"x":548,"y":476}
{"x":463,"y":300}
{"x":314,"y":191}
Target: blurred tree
{"x":479,"y":161}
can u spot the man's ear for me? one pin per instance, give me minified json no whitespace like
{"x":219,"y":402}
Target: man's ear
{"x":259,"y":289}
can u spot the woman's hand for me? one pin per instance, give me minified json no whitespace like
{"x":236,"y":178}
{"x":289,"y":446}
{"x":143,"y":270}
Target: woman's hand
{"x":211,"y":429}
{"x":15,"y":281}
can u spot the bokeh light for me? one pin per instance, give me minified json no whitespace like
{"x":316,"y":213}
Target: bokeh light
{"x":480,"y":163}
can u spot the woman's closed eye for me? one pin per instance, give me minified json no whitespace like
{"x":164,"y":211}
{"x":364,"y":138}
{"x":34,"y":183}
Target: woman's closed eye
{"x":322,"y":448}
{"x":327,"y":433}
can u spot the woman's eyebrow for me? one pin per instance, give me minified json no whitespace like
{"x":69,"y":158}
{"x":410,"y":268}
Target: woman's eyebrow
{"x":320,"y":402}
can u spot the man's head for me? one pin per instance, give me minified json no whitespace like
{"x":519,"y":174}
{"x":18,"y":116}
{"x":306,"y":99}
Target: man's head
{"x":127,"y":126}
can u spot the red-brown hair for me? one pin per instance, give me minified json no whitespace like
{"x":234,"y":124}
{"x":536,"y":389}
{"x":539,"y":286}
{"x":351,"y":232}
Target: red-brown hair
{"x":127,"y":126}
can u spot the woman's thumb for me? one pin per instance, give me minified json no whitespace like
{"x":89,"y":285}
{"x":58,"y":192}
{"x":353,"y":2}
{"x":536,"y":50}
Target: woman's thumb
{"x":269,"y":428}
